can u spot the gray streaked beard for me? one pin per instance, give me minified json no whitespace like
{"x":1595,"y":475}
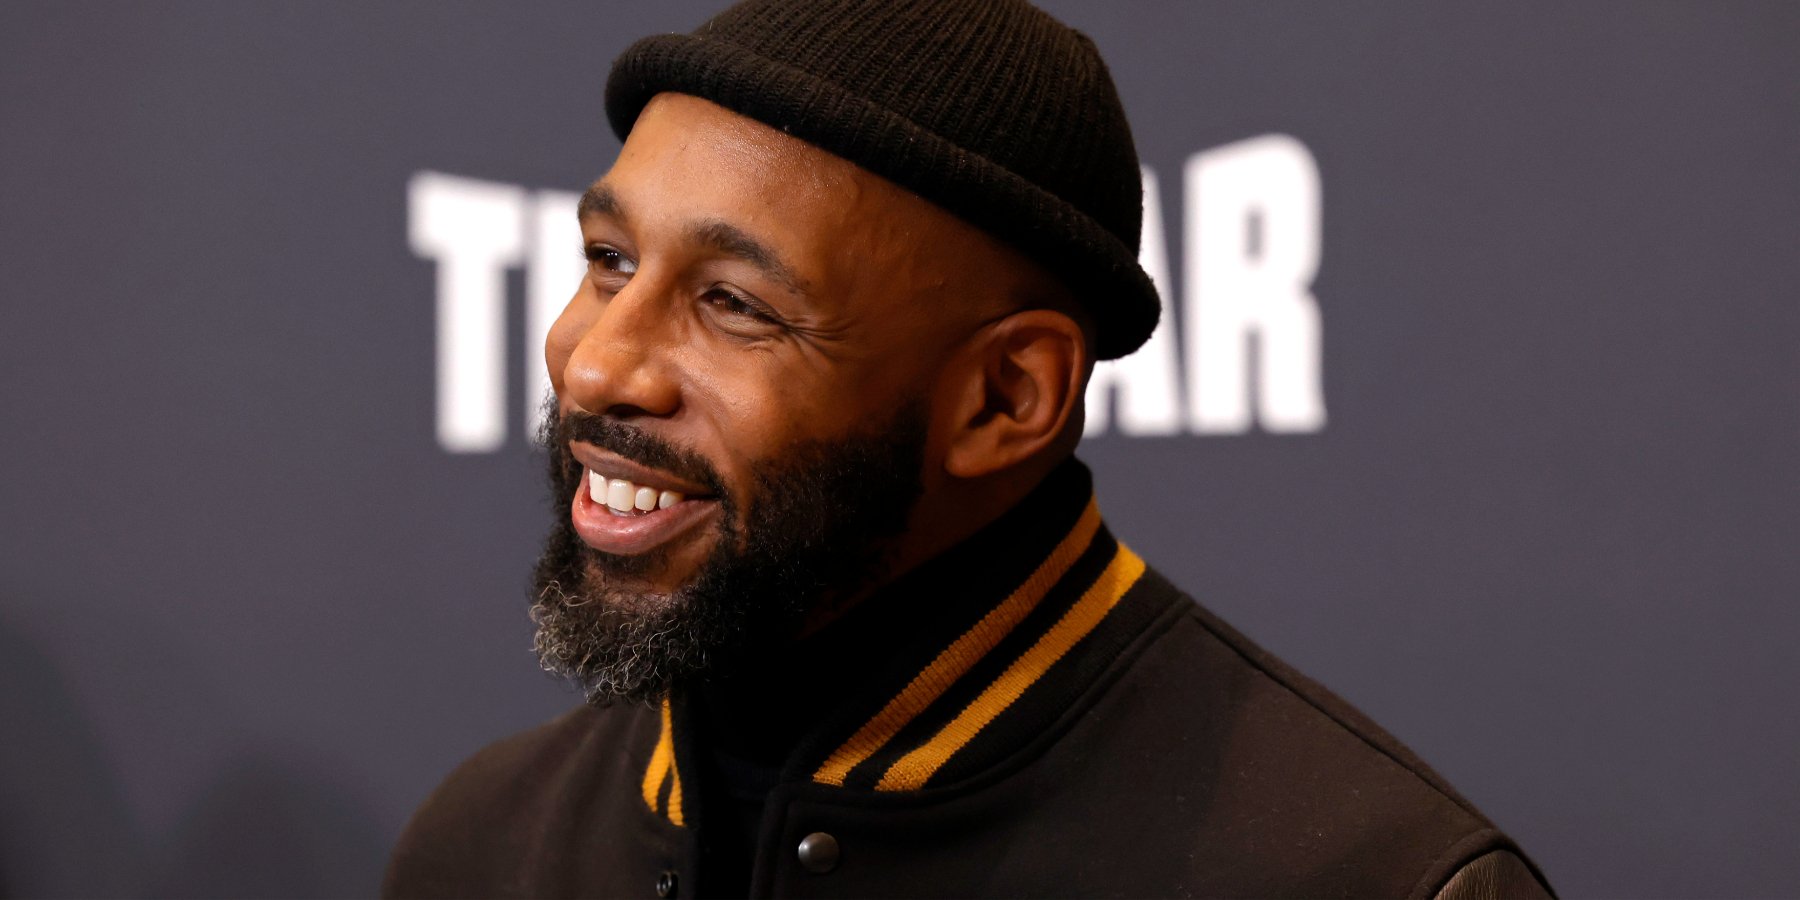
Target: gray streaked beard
{"x":822,"y":518}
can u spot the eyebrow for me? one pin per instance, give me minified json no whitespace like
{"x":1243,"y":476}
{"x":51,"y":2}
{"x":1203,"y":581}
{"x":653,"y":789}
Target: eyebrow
{"x":599,"y":199}
{"x":720,"y":236}
{"x":733,"y":241}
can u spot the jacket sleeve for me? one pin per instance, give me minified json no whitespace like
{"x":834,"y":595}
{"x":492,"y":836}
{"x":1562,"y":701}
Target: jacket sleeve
{"x":1495,"y":875}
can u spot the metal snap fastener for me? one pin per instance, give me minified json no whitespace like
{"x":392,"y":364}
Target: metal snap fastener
{"x":665,"y":884}
{"x":819,"y":852}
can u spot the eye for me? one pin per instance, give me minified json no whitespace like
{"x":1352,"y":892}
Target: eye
{"x":608,"y":259}
{"x":738,"y":306}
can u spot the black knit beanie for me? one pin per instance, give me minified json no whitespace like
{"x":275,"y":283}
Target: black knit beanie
{"x":991,"y":109}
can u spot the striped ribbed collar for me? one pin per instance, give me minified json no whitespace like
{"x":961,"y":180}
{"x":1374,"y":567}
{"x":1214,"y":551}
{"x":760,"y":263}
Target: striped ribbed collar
{"x":952,"y":666}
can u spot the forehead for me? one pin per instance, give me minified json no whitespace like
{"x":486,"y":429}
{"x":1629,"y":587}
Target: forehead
{"x":840,"y":227}
{"x":689,"y":160}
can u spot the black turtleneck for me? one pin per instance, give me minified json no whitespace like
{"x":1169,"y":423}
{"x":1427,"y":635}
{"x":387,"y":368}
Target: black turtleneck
{"x":749,"y":722}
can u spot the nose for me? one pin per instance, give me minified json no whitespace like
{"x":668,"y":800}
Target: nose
{"x":610,"y":356}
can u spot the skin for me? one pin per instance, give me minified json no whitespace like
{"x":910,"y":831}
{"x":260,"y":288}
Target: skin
{"x":862,"y":296}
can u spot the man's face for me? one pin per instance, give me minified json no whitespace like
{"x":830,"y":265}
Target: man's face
{"x":752,"y":357}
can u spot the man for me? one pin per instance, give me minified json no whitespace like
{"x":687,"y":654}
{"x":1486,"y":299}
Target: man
{"x":839,"y":595}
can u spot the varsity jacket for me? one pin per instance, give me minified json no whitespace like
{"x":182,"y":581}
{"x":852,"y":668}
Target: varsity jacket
{"x":1034,"y":713}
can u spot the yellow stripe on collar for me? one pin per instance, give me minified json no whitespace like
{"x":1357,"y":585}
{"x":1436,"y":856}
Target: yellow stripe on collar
{"x":956,"y":660}
{"x":911,"y":771}
{"x":662,"y":768}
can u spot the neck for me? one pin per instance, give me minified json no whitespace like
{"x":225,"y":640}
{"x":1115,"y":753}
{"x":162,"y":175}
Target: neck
{"x":950,"y":512}
{"x":765,"y":704}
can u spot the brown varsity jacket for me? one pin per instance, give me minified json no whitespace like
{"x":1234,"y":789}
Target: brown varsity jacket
{"x":1036,"y":713}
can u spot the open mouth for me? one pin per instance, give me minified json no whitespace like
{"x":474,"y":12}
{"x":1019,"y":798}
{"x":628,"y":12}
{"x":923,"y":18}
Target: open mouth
{"x":627,"y":516}
{"x":626,"y":498}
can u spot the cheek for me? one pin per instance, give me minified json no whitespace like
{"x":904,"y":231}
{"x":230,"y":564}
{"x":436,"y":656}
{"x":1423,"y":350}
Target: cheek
{"x":748,"y":407}
{"x":751,"y":408}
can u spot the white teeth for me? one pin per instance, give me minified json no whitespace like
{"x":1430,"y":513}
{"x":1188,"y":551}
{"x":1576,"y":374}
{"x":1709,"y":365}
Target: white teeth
{"x":618,"y":494}
{"x":626,"y":498}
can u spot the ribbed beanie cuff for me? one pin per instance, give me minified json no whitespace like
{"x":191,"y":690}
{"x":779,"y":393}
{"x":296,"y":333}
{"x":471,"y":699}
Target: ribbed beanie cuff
{"x":989,"y":108}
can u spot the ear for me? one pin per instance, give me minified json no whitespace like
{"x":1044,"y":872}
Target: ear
{"x":1020,"y":393}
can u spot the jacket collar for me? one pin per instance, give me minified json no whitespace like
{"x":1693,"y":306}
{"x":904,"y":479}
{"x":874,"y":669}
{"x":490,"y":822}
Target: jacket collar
{"x":941,"y":673}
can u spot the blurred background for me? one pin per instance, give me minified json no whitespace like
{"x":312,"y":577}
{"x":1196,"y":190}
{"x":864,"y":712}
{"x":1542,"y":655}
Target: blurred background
{"x":1478,"y":400}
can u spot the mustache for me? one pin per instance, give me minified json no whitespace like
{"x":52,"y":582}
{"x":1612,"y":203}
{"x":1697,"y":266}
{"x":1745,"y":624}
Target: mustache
{"x":626,"y":440}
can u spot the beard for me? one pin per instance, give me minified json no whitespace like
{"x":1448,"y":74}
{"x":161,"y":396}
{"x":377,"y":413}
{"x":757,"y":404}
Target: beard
{"x":811,"y":529}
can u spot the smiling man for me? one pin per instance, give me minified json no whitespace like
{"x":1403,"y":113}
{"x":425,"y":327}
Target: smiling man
{"x":840,"y":598}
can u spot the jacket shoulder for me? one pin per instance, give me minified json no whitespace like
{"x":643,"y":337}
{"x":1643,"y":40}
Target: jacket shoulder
{"x":480,"y":829}
{"x":1282,"y":771}
{"x":1293,"y":686}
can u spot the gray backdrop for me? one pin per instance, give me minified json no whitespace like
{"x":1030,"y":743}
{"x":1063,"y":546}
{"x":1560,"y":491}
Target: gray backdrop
{"x":251,"y":609}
